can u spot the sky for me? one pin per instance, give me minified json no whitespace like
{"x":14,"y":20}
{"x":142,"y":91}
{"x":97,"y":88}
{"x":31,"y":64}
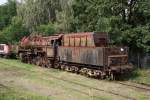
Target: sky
{"x":3,"y":1}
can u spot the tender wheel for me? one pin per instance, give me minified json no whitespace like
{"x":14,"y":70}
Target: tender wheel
{"x":62,"y":67}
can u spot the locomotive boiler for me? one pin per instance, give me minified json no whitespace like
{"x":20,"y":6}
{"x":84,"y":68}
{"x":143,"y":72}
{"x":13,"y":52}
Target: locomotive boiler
{"x":87,"y":53}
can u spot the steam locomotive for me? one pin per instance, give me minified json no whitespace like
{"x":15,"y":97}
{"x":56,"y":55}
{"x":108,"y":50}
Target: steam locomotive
{"x":87,"y":53}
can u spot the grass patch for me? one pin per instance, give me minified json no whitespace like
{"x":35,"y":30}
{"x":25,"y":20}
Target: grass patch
{"x":7,"y":93}
{"x":42,"y":77}
{"x":17,"y":69}
{"x":31,"y":80}
{"x":138,"y":75}
{"x":141,"y":76}
{"x":16,"y":64}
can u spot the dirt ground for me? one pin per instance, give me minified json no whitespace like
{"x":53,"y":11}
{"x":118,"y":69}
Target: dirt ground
{"x":52,"y":84}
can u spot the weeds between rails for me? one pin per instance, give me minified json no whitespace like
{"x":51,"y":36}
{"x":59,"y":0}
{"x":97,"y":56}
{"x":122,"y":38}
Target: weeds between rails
{"x":94,"y":88}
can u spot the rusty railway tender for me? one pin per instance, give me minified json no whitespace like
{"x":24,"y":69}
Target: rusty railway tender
{"x":87,"y":53}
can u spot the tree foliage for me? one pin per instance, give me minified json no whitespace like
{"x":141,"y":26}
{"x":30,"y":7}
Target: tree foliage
{"x":64,"y":17}
{"x":36,"y":12}
{"x":14,"y":32}
{"x":46,"y":30}
{"x":7,"y":11}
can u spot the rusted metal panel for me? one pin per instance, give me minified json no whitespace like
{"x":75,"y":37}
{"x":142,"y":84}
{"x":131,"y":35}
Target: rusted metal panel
{"x":87,"y":39}
{"x":117,"y":60}
{"x":116,"y":50}
{"x":101,"y":39}
{"x":49,"y":51}
{"x":100,"y":56}
{"x":91,"y":56}
{"x":116,"y":56}
{"x":39,"y":40}
{"x":79,"y":39}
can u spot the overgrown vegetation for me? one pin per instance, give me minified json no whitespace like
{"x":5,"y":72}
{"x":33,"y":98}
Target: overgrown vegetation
{"x":21,"y":81}
{"x":140,"y":76}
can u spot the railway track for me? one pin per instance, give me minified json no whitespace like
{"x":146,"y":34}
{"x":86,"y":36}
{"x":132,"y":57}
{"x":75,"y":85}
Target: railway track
{"x":94,"y":88}
{"x":145,"y":84}
{"x":132,"y":84}
{"x":3,"y":86}
{"x":86,"y":86}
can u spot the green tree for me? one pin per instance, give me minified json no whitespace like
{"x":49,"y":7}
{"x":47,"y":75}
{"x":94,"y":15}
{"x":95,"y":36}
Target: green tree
{"x":14,"y":32}
{"x":36,"y":12}
{"x":46,"y":30}
{"x":64,"y":17}
{"x":7,"y":11}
